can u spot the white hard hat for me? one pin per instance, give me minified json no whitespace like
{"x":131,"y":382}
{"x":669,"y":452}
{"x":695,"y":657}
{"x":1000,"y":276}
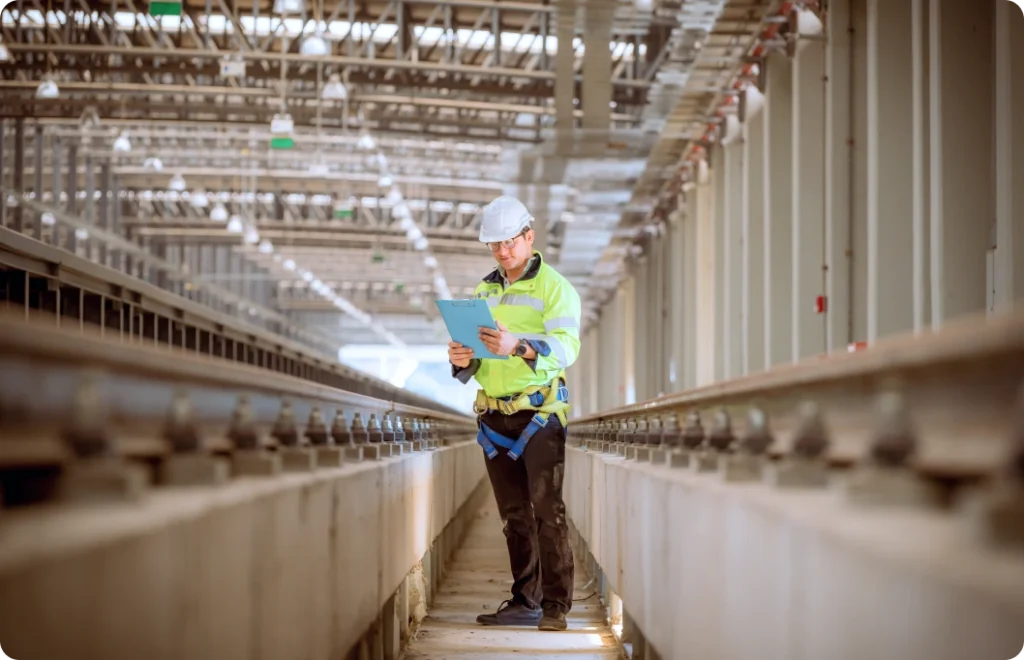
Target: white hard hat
{"x":503,"y":218}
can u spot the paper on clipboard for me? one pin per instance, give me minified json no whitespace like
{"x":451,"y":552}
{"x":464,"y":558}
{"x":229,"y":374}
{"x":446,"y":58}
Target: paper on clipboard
{"x":464,"y":318}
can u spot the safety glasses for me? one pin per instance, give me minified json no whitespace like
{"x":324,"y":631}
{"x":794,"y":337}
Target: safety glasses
{"x":508,"y":243}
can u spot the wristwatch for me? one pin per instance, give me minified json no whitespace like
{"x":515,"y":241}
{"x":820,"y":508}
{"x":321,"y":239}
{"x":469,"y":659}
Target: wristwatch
{"x":522,"y":347}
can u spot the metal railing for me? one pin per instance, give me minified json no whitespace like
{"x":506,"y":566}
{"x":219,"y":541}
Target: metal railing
{"x":86,"y":416}
{"x":40,"y":280}
{"x":931,"y":421}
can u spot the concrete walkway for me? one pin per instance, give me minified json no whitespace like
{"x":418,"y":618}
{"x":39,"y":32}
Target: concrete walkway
{"x":477,"y":581}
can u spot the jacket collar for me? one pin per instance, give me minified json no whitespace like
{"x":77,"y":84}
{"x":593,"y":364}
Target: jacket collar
{"x":497,"y":276}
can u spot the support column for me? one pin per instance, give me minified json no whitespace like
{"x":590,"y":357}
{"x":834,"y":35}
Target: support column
{"x":892,"y":259}
{"x":590,"y":386}
{"x":858,"y":230}
{"x":18,"y":213}
{"x":105,"y":203}
{"x":1009,"y":257}
{"x":732,"y":266}
{"x":37,"y":181}
{"x":56,"y":184}
{"x":753,"y":244}
{"x":565,"y":78}
{"x":808,"y":277}
{"x":720,"y":214}
{"x":660,"y":319}
{"x":840,"y":143}
{"x":629,"y":379}
{"x":89,"y":212}
{"x":708,"y":325}
{"x":677,"y":302}
{"x":3,"y":173}
{"x":70,"y":241}
{"x":690,"y":286}
{"x":778,"y":210}
{"x":641,"y":323}
{"x":962,"y":195}
{"x":117,"y":258}
{"x":596,"y":91}
{"x":536,"y":197}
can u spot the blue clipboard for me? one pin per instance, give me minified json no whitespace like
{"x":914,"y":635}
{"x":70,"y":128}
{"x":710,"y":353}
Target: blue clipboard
{"x":464,"y":318}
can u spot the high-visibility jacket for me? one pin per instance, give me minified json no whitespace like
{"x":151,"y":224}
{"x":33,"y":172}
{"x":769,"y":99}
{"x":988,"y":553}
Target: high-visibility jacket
{"x":541,"y":307}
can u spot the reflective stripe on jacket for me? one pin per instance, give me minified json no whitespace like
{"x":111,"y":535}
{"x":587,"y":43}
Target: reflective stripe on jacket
{"x":542,"y":307}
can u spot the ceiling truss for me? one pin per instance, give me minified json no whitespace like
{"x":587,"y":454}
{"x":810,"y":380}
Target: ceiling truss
{"x":462,"y":96}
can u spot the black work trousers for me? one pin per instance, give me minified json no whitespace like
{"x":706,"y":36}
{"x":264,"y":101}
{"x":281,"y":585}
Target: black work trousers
{"x":528,"y":492}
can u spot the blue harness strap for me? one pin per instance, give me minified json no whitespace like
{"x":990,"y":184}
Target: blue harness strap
{"x":487,"y":437}
{"x":484,"y":435}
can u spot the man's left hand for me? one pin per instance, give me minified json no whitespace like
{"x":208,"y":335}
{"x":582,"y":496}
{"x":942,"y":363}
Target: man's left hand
{"x":500,"y":341}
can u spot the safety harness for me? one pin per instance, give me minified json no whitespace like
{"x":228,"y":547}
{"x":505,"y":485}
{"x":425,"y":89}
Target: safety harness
{"x":546,"y":400}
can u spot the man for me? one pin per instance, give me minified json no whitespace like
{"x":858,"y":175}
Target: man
{"x":522,"y":413}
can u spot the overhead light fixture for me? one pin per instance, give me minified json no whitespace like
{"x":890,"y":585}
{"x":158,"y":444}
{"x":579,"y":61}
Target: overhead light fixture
{"x":47,"y":89}
{"x":82,"y":234}
{"x":315,"y":46}
{"x":251,"y":235}
{"x":703,"y":171}
{"x":430,"y":261}
{"x":751,"y":101}
{"x":289,"y":6}
{"x":282,"y":124}
{"x":366,"y":142}
{"x":289,"y":264}
{"x":177,"y":183}
{"x":385,"y":181}
{"x":5,"y":55}
{"x":48,"y":219}
{"x":401,"y":211}
{"x":153,"y":164}
{"x":266,"y":247}
{"x":218,"y":213}
{"x":198,"y":199}
{"x":334,"y":90}
{"x":232,"y":66}
{"x":729,"y":129}
{"x":805,"y":23}
{"x":235,"y":225}
{"x":122,"y":143}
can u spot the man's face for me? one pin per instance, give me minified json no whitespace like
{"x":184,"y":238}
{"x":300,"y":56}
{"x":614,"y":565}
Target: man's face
{"x":515,"y":255}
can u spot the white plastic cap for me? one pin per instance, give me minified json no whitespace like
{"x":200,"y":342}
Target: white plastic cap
{"x":504,"y":218}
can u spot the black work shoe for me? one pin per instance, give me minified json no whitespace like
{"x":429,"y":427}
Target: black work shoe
{"x":553,"y":620}
{"x":511,"y":614}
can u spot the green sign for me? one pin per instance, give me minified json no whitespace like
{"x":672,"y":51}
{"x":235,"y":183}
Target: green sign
{"x":378,"y":257}
{"x":161,"y":8}
{"x":282,"y":143}
{"x":342,"y":214}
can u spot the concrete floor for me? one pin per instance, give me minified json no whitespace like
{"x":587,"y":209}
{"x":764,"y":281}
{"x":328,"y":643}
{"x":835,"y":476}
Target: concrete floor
{"x":477,"y":581}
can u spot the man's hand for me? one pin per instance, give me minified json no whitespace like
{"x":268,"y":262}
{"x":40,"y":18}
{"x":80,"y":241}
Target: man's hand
{"x":459,"y":355}
{"x":500,"y":341}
